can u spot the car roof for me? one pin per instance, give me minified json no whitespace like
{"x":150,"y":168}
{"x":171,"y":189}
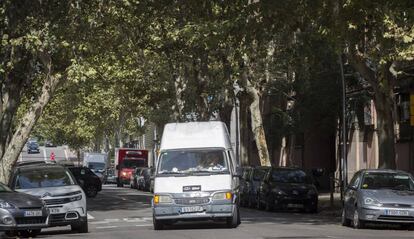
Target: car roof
{"x":44,"y":165}
{"x":382,"y":171}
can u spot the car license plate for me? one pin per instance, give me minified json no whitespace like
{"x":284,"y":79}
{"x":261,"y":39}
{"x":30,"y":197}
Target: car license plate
{"x":54,"y":210}
{"x":36,"y":213}
{"x":295,"y":205}
{"x":396,"y":212}
{"x":192,"y":209}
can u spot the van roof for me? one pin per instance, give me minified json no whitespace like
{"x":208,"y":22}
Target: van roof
{"x":211,"y":134}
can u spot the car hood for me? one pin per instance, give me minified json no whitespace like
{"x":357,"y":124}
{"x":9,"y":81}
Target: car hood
{"x":391,"y":196}
{"x":21,"y":200}
{"x":51,"y":191}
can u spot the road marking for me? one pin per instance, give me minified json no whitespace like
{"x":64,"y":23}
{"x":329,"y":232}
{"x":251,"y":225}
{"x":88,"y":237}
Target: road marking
{"x":44,"y":154}
{"x":90,"y":217}
{"x":144,"y":225}
{"x":106,"y":227}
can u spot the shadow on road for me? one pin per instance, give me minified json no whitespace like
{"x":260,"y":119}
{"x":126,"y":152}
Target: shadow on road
{"x":118,"y":199}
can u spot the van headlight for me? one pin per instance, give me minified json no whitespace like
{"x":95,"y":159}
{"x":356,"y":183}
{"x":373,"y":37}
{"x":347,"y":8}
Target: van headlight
{"x":223,"y":196}
{"x":162,"y":199}
{"x":372,"y":201}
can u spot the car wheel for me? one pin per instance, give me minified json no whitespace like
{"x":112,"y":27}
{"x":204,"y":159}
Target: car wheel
{"x":91,"y":191}
{"x":81,"y":227}
{"x":313,"y":208}
{"x":234,"y":221}
{"x":29,"y":233}
{"x":158,"y":225}
{"x":357,"y":222}
{"x":345,"y":221}
{"x":268,"y":206}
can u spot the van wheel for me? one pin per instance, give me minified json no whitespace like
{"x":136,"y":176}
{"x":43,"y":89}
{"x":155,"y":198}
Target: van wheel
{"x":234,"y":221}
{"x":158,"y":225}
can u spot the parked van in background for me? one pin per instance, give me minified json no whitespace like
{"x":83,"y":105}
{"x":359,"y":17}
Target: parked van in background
{"x":196,"y":176}
{"x":97,"y":162}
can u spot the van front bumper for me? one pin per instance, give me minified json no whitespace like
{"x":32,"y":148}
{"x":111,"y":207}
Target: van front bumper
{"x":210,"y":211}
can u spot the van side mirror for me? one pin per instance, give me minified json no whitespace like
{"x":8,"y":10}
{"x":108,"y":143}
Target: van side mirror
{"x":238,"y":173}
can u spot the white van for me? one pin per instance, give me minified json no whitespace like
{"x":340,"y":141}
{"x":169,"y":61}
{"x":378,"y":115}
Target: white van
{"x":197,"y":175}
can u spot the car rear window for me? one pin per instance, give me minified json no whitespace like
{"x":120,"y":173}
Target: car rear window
{"x":42,"y":177}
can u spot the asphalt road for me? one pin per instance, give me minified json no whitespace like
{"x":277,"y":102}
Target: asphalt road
{"x":126,"y":213}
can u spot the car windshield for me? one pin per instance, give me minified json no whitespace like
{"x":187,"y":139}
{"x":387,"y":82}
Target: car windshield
{"x":193,"y":161}
{"x":395,"y":181}
{"x":133,"y":162}
{"x":289,"y":176}
{"x":43,"y":177}
{"x":96,"y":165}
{"x":4,"y":189}
{"x":258,"y":174}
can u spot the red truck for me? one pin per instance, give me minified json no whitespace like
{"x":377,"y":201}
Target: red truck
{"x":126,"y":160}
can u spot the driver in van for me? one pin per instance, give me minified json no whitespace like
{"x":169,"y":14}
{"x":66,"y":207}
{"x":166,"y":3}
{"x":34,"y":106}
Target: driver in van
{"x":212,"y":161}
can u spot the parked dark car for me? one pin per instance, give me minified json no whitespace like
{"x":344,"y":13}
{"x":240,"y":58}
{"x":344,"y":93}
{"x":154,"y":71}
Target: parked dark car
{"x":88,"y":180}
{"x":133,"y":182}
{"x":33,"y":147}
{"x":288,"y":188}
{"x":244,"y":186}
{"x":252,"y":183}
{"x":144,"y":181}
{"x":21,"y":214}
{"x":152,"y":180}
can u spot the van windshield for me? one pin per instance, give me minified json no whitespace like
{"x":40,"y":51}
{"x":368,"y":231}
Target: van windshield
{"x":211,"y":161}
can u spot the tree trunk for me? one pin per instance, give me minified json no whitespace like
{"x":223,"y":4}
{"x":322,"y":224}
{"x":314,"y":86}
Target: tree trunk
{"x":26,"y":125}
{"x":244,"y":130}
{"x":382,"y":84}
{"x":257,"y":122}
{"x":383,"y":101}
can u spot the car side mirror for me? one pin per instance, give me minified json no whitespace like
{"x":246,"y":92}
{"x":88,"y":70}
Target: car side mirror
{"x":352,"y":187}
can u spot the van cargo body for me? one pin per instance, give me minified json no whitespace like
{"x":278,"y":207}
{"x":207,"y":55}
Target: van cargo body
{"x":197,"y":176}
{"x":126,"y":160}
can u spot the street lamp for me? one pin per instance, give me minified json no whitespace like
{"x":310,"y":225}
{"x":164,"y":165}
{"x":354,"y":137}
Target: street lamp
{"x":344,"y":163}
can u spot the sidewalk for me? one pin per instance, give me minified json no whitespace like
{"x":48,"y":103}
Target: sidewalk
{"x":325,"y":207}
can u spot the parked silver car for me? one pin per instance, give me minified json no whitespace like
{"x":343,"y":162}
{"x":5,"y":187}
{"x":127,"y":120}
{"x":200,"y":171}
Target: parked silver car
{"x":379,"y":195}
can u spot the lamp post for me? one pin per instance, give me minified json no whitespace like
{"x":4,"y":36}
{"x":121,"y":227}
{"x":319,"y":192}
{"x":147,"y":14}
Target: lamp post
{"x":344,"y":160}
{"x":237,"y":89}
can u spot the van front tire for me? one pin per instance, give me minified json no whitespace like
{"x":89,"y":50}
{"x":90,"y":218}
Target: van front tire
{"x":234,"y":221}
{"x":158,"y":225}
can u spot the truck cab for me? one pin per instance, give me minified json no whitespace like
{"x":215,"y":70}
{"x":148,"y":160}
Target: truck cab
{"x":126,"y":160}
{"x":196,"y":176}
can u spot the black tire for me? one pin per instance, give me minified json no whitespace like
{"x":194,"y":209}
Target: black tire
{"x":269,"y":206}
{"x":409,"y":227}
{"x":119,"y":184}
{"x":357,"y":222}
{"x":259,"y":204}
{"x":313,"y":208}
{"x":81,"y":227}
{"x":91,"y":191}
{"x":345,"y":221}
{"x":234,"y":221}
{"x":29,"y":233}
{"x":158,"y":225}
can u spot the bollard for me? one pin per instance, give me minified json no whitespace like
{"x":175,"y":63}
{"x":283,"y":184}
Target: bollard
{"x":331,"y":190}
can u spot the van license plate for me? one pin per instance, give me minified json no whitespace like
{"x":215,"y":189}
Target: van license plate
{"x":33,"y":213}
{"x":192,"y":209}
{"x":396,"y":212}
